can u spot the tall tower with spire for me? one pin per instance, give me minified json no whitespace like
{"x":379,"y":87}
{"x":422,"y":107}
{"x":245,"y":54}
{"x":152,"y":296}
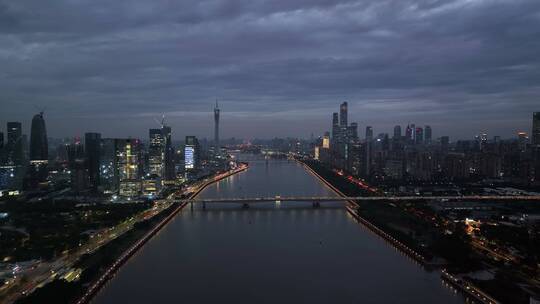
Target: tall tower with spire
{"x":216,"y":125}
{"x":37,"y":171}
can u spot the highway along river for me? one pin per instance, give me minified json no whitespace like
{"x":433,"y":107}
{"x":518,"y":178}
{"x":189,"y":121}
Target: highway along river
{"x":287,"y":253}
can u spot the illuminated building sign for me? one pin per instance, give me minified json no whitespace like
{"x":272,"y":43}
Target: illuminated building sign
{"x":189,"y":154}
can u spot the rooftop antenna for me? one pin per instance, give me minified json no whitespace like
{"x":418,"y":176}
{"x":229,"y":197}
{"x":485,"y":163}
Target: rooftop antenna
{"x":162,"y":122}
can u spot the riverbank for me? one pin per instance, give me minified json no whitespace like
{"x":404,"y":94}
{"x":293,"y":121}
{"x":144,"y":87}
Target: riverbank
{"x":352,"y":209}
{"x":468,"y":288}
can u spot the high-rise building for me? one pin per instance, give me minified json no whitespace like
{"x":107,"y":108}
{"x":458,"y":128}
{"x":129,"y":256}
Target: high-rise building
{"x":335,"y":127}
{"x":150,"y":187}
{"x":536,"y":164}
{"x":397,"y":132}
{"x":14,"y":144}
{"x":352,"y":131}
{"x":77,"y":166}
{"x":191,"y":154}
{"x":316,"y":153}
{"x":128,"y":163}
{"x":343,"y":108}
{"x":108,"y":169}
{"x":369,"y":133}
{"x":419,"y":136}
{"x":326,"y":141}
{"x":2,"y":160}
{"x":156,"y":150}
{"x":216,"y":125}
{"x":39,"y":154}
{"x":169,"y":173}
{"x":413,"y":133}
{"x":26,"y":146}
{"x":365,"y":155}
{"x":427,"y":135}
{"x":481,"y":140}
{"x":523,"y":140}
{"x":536,"y":129}
{"x":92,"y":149}
{"x":409,"y":132}
{"x":39,"y":151}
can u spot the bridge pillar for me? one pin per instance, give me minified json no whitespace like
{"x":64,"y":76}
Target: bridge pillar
{"x":191,"y":205}
{"x":245,"y":206}
{"x":316,"y":204}
{"x":204,"y":205}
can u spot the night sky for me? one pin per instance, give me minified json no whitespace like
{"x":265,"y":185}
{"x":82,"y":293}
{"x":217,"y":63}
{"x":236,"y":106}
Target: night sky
{"x":278,"y":68}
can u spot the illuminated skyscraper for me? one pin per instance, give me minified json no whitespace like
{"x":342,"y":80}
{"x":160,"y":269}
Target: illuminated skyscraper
{"x":326,"y":141}
{"x":536,"y":129}
{"x":216,"y":125}
{"x":14,"y":144}
{"x":316,"y":153}
{"x":161,"y":154}
{"x":191,"y":154}
{"x":92,"y":149}
{"x":169,"y":173}
{"x":156,"y":150}
{"x":128,"y":166}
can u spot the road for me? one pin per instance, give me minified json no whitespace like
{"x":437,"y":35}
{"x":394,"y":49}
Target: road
{"x":45,"y":272}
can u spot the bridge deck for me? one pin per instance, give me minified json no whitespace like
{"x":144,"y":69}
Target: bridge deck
{"x":252,"y":200}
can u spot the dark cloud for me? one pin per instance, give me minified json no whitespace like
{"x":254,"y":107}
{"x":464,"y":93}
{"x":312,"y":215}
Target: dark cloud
{"x":279,"y":67}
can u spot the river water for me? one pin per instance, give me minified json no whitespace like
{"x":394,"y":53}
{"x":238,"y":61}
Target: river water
{"x":271,"y":253}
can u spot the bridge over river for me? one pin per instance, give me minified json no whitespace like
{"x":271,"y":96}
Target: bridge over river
{"x":321,"y":199}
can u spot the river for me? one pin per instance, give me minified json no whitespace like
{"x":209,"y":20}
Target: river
{"x":271,"y":253}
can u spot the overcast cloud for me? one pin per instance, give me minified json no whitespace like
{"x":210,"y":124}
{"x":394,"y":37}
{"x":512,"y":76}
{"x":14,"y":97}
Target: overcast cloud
{"x":278,"y":67}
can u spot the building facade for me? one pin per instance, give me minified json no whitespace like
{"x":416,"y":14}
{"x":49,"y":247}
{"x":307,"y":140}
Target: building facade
{"x":92,"y":149}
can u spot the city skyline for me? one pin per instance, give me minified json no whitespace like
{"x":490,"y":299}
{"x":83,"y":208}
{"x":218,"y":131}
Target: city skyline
{"x":276,"y":151}
{"x":109,"y":66}
{"x":208,"y":130}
